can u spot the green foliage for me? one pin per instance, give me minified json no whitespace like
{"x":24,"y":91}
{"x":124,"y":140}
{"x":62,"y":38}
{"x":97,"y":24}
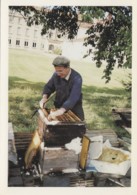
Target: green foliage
{"x":91,"y":12}
{"x":109,"y":39}
{"x":112,"y":39}
{"x":128,"y":86}
{"x":57,"y":51}
{"x":63,"y":18}
{"x":86,"y":18}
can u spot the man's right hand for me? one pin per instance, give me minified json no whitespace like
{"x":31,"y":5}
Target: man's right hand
{"x":43,"y":101}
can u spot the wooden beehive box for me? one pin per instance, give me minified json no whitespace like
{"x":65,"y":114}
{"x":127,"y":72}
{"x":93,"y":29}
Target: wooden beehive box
{"x":59,"y":160}
{"x":61,"y":131}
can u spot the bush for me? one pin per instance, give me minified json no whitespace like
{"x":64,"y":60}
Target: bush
{"x":57,"y":51}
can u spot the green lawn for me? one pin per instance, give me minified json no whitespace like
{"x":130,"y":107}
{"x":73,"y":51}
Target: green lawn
{"x":28,"y":73}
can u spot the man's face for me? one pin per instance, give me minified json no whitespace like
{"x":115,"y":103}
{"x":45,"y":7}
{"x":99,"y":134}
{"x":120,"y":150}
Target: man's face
{"x":62,"y":71}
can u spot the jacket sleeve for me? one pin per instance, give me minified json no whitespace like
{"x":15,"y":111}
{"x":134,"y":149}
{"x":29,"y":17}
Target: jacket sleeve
{"x":75,"y":94}
{"x":49,"y":87}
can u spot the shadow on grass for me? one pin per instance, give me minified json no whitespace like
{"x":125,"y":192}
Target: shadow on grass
{"x":100,"y":102}
{"x":104,"y":90}
{"x":104,"y":95}
{"x":16,"y":82}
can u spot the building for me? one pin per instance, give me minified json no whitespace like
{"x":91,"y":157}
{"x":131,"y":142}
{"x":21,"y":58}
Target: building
{"x":22,"y":36}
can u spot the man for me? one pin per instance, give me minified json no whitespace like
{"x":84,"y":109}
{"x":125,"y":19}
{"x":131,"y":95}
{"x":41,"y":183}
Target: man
{"x":67,"y":83}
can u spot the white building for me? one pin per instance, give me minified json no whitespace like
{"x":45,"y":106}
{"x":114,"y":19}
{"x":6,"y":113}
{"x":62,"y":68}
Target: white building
{"x":22,"y":36}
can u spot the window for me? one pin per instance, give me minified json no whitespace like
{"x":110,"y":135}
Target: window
{"x":34,"y":44}
{"x":51,"y":47}
{"x":9,"y":41}
{"x":10,"y":29}
{"x":17,"y":42}
{"x":27,"y":32}
{"x":18,"y":31}
{"x":35,"y":33}
{"x":26,"y":43}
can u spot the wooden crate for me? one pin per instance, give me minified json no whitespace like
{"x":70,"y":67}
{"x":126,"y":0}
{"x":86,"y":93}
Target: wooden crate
{"x":58,"y":160}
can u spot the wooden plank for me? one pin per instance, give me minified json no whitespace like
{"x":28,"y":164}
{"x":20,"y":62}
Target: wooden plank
{"x":127,"y":129}
{"x":81,"y":182}
{"x":123,"y":114}
{"x":58,"y":160}
{"x":22,"y":140}
{"x":73,"y":116}
{"x":126,"y":139}
{"x":106,"y":133}
{"x":24,"y":134}
{"x":12,"y":154}
{"x":69,"y":116}
{"x":124,"y":144}
{"x":121,"y":110}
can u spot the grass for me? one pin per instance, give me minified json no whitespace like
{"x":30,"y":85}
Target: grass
{"x":28,"y":73}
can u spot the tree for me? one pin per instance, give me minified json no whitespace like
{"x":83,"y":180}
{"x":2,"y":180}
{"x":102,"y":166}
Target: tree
{"x":110,"y":35}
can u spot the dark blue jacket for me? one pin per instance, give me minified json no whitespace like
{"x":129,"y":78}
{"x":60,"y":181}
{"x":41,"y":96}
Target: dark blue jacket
{"x":68,"y":92}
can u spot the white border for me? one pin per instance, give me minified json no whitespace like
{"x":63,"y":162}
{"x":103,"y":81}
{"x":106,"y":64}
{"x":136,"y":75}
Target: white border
{"x":4,"y":190}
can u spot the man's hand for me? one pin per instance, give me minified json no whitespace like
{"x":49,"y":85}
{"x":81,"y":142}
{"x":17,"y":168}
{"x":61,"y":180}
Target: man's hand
{"x":43,"y":101}
{"x":54,"y":114}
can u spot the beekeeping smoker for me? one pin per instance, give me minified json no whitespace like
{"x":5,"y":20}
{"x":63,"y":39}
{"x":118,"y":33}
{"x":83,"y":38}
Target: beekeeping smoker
{"x":67,"y":83}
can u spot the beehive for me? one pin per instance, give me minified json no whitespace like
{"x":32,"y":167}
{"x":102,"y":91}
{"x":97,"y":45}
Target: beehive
{"x":62,"y":131}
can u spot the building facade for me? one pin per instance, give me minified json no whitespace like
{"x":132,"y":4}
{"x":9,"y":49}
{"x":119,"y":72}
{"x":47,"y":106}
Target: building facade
{"x":22,"y":36}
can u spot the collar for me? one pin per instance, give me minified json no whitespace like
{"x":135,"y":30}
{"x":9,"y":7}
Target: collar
{"x":67,"y":77}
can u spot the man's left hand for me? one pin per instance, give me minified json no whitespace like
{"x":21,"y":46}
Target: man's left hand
{"x":54,"y":114}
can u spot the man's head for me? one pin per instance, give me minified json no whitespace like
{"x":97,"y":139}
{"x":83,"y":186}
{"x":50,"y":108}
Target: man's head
{"x":62,"y":66}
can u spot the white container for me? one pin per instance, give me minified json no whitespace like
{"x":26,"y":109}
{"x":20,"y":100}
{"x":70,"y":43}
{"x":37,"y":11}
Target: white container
{"x":102,"y":166}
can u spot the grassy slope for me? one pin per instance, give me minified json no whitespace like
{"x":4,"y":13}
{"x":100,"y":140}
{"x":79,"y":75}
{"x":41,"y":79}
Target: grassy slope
{"x":29,"y":66}
{"x":29,"y":71}
{"x":37,"y":67}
